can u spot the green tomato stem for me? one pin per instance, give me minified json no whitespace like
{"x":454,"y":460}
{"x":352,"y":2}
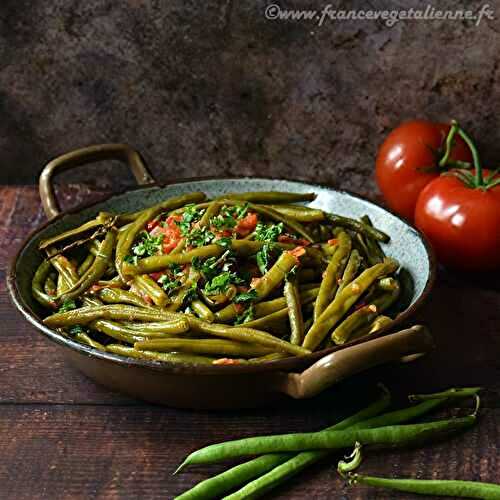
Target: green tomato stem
{"x":449,"y":144}
{"x":479,"y":181}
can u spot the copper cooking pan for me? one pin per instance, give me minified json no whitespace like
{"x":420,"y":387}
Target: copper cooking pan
{"x":210,"y":387}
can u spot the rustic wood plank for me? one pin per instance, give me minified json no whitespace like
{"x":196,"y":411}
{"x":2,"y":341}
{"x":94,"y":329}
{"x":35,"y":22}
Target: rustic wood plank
{"x":62,"y":452}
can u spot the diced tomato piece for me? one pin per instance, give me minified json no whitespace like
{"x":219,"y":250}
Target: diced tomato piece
{"x":170,"y":231}
{"x":226,"y":361}
{"x":169,"y":246}
{"x":297,"y":252}
{"x":156,"y":276}
{"x":254,"y":282}
{"x":286,"y":238}
{"x":239,"y":308}
{"x":332,"y":242}
{"x":246,"y":225}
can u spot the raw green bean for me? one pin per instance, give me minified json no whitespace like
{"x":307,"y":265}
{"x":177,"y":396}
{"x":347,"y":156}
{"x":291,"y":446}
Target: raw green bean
{"x":204,"y":346}
{"x":295,"y":318}
{"x":118,"y":296}
{"x":350,"y":271}
{"x":175,"y":357}
{"x":218,"y":485}
{"x":270,"y":197}
{"x":341,"y":304}
{"x":434,"y":487}
{"x":148,"y":286}
{"x":390,"y":435}
{"x":96,"y":270}
{"x":306,"y":458}
{"x":37,"y":285}
{"x":364,"y":316}
{"x":299,"y":213}
{"x":333,"y":274}
{"x":358,"y":226}
{"x":86,"y":315}
{"x":461,"y":392}
{"x":202,"y":311}
{"x":244,"y":334}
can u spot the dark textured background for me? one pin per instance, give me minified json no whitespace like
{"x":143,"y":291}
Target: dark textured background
{"x":214,"y":88}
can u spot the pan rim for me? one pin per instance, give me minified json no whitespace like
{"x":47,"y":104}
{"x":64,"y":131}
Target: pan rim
{"x":287,"y":364}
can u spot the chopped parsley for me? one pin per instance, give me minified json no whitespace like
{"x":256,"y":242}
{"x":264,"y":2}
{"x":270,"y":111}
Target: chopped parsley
{"x":220,"y":283}
{"x":200,"y":237}
{"x":268,"y":232}
{"x":168,"y":284}
{"x":191,"y":294}
{"x":191,"y":214}
{"x":264,"y":256}
{"x":76,"y":329}
{"x":148,"y":244}
{"x":131,"y":259}
{"x":67,"y":305}
{"x":245,"y":296}
{"x":224,"y":242}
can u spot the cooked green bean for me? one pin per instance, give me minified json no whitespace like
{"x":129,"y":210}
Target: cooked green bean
{"x":240,"y":474}
{"x":244,"y":334}
{"x":360,"y":227}
{"x":268,"y":321}
{"x":342,"y":303}
{"x":372,"y":244}
{"x":333,"y":274}
{"x":204,"y":346}
{"x":96,"y":270}
{"x":49,"y":286}
{"x":202,"y":311}
{"x":295,"y":318}
{"x":67,"y":272}
{"x":299,"y":213}
{"x":86,"y":264}
{"x":37,"y":285}
{"x":270,"y":197}
{"x":158,"y":328}
{"x":83,"y":338}
{"x":115,"y":331}
{"x":85,"y":315}
{"x":350,"y":271}
{"x":211,"y":211}
{"x":175,"y":357}
{"x":149,"y":288}
{"x":390,"y":435}
{"x":363,"y":316}
{"x":118,"y":296}
{"x":434,"y":487}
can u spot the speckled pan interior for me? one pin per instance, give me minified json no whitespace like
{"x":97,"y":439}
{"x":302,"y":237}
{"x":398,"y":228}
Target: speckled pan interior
{"x":406,"y":245}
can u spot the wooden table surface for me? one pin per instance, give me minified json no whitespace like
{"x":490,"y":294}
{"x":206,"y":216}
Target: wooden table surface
{"x":61,"y":436}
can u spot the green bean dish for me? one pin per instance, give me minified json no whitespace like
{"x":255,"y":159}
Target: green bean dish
{"x":244,"y":278}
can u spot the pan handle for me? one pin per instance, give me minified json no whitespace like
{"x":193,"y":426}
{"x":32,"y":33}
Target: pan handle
{"x":405,"y":345}
{"x":83,"y":156}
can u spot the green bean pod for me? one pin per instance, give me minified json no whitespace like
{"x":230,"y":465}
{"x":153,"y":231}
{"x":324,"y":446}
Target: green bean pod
{"x":244,"y":334}
{"x":96,"y":270}
{"x":270,"y":197}
{"x":350,"y":271}
{"x":211,"y":211}
{"x":159,"y":329}
{"x":49,"y":286}
{"x":204,"y":346}
{"x":273,"y":322}
{"x":86,"y":315}
{"x":84,"y":338}
{"x":67,"y":271}
{"x":358,"y":226}
{"x":390,"y":435}
{"x":37,"y":285}
{"x":343,"y":302}
{"x":167,"y":357}
{"x":148,"y":286}
{"x":333,"y":274}
{"x":295,"y":318}
{"x":433,"y":487}
{"x":299,"y":213}
{"x":118,"y":296}
{"x":364,"y":316}
{"x":202,"y":311}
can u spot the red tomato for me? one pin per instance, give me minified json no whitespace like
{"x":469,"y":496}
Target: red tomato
{"x":412,"y":146}
{"x":171,"y":232}
{"x":246,"y":225}
{"x":462,"y":223}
